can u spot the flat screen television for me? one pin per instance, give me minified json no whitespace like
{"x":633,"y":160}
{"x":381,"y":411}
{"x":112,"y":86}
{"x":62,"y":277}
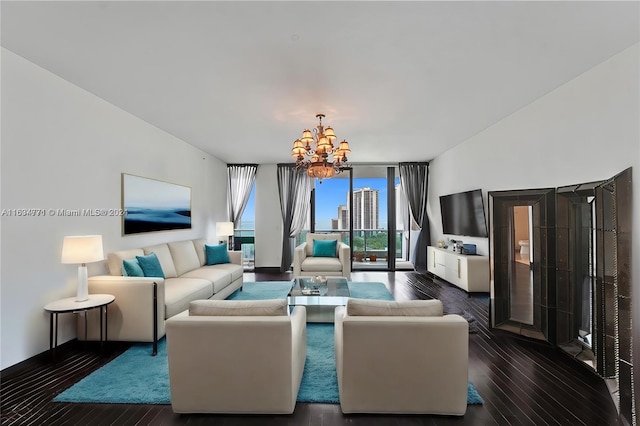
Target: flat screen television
{"x":463,"y":214}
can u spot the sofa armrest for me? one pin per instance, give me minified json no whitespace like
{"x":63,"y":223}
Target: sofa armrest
{"x":339,"y":314}
{"x":130,"y":316}
{"x":298,"y":346}
{"x":299,"y":255}
{"x":235,"y":257}
{"x":344,"y":254}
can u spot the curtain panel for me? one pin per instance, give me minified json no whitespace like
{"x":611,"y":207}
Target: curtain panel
{"x":414,"y":178}
{"x":294,"y":188}
{"x":240,"y":181}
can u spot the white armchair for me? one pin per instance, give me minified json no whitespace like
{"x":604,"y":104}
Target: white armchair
{"x":305,"y":264}
{"x":401,"y":357}
{"x":236,"y":357}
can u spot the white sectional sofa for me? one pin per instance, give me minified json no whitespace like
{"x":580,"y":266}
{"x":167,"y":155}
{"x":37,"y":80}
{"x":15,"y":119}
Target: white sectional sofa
{"x":142,"y":304}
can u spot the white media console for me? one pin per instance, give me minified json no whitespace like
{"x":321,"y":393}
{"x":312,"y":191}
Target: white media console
{"x":469,"y":272}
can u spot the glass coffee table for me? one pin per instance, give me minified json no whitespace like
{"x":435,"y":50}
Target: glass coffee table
{"x":319,"y":297}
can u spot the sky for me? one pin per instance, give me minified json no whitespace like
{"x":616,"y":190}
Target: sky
{"x":150,"y":193}
{"x":333,"y":192}
{"x":329,"y":195}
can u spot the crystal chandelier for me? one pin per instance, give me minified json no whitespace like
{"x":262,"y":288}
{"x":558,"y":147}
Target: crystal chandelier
{"x":324,"y":160}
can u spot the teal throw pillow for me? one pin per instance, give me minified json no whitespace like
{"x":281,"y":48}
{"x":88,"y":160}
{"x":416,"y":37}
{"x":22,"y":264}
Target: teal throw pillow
{"x":324,"y":248}
{"x":131,"y":268}
{"x":217,"y":254}
{"x":150,"y":265}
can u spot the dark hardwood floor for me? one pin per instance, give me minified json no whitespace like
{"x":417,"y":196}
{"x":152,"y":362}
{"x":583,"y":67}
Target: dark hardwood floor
{"x":522,"y":382}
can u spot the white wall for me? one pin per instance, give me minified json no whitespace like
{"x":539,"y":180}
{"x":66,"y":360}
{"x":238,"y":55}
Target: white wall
{"x":63,"y":147}
{"x":268,"y":246}
{"x":586,"y":130}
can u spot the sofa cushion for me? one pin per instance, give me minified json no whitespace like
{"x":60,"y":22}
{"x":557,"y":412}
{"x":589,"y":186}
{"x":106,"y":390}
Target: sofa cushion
{"x":366,"y":307}
{"x":217,"y":254}
{"x":150,"y":265}
{"x":234,"y":269}
{"x":271,"y":307}
{"x":219,"y":276}
{"x":184,"y":255}
{"x":164,"y":256}
{"x":311,"y":237}
{"x":114,"y":260}
{"x":131,"y":268}
{"x":324,"y":248}
{"x":311,"y":264}
{"x":179,"y":292}
{"x":199,"y":246}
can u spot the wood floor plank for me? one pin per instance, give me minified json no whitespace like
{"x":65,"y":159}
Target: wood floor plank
{"x":521,"y":381}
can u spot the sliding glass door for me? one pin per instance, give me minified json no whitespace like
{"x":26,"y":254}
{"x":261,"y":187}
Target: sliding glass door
{"x":370,"y":218}
{"x":331,"y":203}
{"x":367,"y":207}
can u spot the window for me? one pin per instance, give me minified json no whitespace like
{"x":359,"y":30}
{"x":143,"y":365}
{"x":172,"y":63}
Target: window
{"x":244,"y":236}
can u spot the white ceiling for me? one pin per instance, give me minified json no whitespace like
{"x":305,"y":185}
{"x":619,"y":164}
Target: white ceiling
{"x":401,"y":81}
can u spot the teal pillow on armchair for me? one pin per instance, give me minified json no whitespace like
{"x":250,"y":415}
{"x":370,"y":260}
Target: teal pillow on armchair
{"x":324,"y":248}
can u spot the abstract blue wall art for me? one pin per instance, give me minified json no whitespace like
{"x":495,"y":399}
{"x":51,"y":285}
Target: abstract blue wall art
{"x":152,"y":205}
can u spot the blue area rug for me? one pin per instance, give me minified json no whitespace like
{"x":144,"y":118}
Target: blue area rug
{"x":319,"y":379}
{"x":262,"y":291}
{"x":369,"y":291}
{"x":135,"y":377}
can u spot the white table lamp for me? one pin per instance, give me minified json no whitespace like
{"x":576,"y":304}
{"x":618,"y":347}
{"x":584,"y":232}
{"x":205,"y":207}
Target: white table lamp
{"x":225,"y":229}
{"x":82,"y":249}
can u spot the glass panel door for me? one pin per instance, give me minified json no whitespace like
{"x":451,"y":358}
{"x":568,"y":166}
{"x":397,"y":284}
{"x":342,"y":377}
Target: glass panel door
{"x":332,"y":206}
{"x":370,"y":218}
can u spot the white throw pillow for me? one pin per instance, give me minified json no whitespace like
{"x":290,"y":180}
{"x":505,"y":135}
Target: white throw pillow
{"x":409,"y":308}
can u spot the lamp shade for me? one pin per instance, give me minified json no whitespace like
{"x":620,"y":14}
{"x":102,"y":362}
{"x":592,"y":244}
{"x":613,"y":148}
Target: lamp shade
{"x":330,"y":134}
{"x":224,"y":229}
{"x":82,"y":249}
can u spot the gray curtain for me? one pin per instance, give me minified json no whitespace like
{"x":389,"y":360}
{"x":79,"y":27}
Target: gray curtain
{"x":402,"y":220}
{"x":414,"y":178}
{"x":294,"y":188}
{"x":240,"y":181}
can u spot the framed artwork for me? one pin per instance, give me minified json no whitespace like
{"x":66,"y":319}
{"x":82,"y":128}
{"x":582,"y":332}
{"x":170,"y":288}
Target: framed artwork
{"x":152,"y":205}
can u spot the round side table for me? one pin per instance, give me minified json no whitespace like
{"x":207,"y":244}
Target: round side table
{"x":69,"y":305}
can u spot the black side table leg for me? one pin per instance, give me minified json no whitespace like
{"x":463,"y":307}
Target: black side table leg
{"x":106,"y":323}
{"x":53,"y":334}
{"x":50,"y":331}
{"x":101,"y":341}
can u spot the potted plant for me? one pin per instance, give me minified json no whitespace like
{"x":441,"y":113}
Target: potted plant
{"x":373,"y":258}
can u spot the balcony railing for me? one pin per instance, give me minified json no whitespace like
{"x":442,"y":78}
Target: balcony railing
{"x":366,"y":242}
{"x":244,"y":240}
